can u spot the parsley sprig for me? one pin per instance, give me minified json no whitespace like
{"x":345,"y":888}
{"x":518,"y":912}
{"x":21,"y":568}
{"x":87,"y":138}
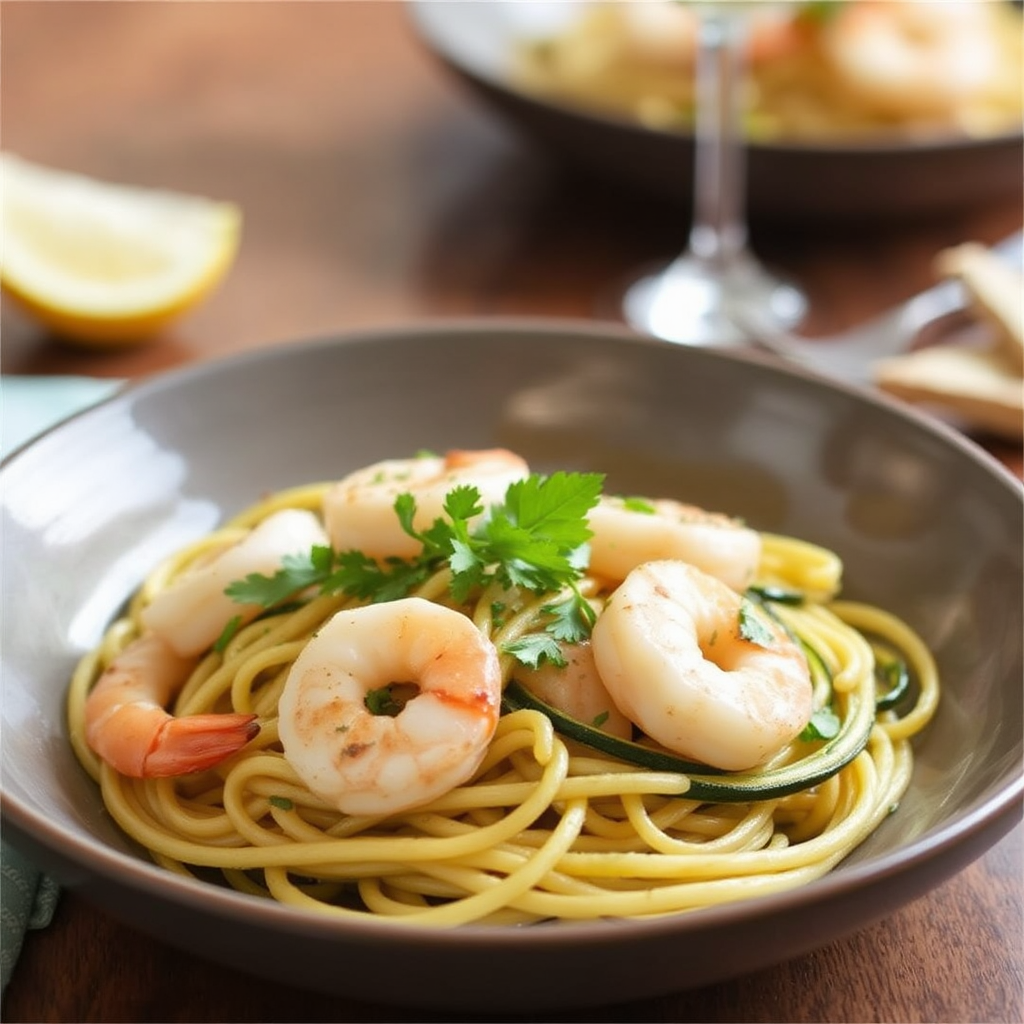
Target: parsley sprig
{"x":535,"y":540}
{"x":750,"y":626}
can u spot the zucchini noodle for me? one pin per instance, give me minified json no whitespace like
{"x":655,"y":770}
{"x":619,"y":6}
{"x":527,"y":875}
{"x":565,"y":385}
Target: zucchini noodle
{"x":549,"y":827}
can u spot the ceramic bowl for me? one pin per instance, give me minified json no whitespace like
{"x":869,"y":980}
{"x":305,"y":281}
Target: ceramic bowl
{"x":786,"y":181}
{"x":928,"y":525}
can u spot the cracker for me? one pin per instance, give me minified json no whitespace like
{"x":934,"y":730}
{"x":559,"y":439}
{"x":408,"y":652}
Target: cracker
{"x":979,"y":386}
{"x":995,"y":293}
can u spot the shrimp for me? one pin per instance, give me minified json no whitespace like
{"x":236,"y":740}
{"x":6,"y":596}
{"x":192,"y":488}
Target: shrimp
{"x":126,"y":724}
{"x":193,"y":611}
{"x":363,"y":761}
{"x":577,"y":689}
{"x":667,"y":34}
{"x":661,"y":34}
{"x":913,"y":57}
{"x":776,"y":35}
{"x":359,"y":510}
{"x":628,"y":533}
{"x":671,"y":646}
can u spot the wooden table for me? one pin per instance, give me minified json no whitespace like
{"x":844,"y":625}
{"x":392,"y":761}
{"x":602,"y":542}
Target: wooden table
{"x":377,"y":192}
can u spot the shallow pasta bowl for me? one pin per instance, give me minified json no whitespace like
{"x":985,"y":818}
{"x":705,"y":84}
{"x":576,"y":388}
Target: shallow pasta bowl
{"x":927,"y":524}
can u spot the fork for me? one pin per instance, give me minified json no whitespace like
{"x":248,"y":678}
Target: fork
{"x":848,"y":355}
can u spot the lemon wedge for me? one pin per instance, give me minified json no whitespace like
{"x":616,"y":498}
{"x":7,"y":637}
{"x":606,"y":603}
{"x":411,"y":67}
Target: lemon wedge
{"x":109,"y":264}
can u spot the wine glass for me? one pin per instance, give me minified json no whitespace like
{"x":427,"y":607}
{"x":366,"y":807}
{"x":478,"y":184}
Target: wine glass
{"x":691,"y":301}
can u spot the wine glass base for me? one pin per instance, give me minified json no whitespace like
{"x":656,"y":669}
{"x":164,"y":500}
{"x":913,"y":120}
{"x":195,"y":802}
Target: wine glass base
{"x":691,"y":304}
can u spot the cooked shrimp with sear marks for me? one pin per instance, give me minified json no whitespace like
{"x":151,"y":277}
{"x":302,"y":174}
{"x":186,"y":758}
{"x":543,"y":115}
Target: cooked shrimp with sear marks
{"x":915,"y":57}
{"x":699,"y":669}
{"x":631,"y":531}
{"x":493,"y":729}
{"x":359,"y":509}
{"x":193,"y":611}
{"x":362,"y":744}
{"x":126,"y":723}
{"x":126,"y":720}
{"x":575,"y":687}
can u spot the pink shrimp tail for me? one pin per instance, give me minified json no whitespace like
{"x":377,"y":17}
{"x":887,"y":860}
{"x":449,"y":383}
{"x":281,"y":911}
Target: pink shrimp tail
{"x":126,"y":723}
{"x":195,"y":743}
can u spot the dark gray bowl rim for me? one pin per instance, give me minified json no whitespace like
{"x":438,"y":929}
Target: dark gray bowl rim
{"x":997,"y":812}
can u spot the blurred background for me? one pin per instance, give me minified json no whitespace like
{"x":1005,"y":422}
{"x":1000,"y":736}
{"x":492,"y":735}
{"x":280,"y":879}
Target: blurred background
{"x":381,"y":183}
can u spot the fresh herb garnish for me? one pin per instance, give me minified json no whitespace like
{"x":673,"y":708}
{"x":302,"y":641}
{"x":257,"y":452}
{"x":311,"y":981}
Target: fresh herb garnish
{"x":570,"y":620}
{"x":535,"y":540}
{"x":819,"y":11}
{"x":297,"y":572}
{"x":751,"y":627}
{"x":778,"y":595}
{"x":824,"y":725}
{"x":382,"y":702}
{"x":282,"y":803}
{"x":359,"y":575}
{"x":227,"y":634}
{"x":534,"y":649}
{"x":643,"y":505}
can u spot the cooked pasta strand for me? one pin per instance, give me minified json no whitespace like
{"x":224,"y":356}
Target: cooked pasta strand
{"x":546,"y":827}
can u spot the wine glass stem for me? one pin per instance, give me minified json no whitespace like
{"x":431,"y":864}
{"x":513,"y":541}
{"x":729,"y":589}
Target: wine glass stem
{"x":718,"y":234}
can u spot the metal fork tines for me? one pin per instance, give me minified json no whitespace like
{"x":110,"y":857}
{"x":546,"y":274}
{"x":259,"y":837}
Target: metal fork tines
{"x":850,"y":354}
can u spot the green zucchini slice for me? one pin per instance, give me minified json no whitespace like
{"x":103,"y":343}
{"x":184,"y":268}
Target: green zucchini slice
{"x":709,"y":784}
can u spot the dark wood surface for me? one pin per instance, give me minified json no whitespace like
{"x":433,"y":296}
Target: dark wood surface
{"x":377,"y":192}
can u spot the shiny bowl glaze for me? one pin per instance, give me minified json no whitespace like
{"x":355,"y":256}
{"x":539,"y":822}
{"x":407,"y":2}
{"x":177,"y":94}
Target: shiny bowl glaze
{"x":928,"y":526}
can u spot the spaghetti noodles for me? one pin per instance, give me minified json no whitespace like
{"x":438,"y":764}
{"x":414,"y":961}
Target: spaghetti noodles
{"x":823,"y":71}
{"x":558,"y":820}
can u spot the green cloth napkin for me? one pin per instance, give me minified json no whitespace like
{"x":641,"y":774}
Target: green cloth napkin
{"x":28,"y":405}
{"x":28,"y":899}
